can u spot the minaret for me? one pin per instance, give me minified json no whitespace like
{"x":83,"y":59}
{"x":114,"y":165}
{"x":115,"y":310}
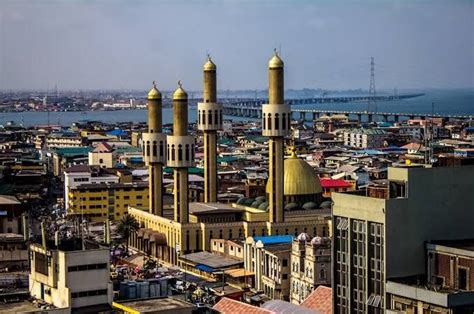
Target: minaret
{"x":180,"y":148}
{"x":276,"y":120}
{"x":154,"y":143}
{"x":209,"y":121}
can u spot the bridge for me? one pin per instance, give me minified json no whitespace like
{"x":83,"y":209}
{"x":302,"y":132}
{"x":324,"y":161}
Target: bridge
{"x":253,"y":109}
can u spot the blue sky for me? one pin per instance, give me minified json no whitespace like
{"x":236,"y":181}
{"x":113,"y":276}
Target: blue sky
{"x":325,"y":44}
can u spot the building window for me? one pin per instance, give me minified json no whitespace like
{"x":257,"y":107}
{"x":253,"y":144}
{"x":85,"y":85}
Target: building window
{"x":277,"y":121}
{"x":263,"y":121}
{"x":187,"y":152}
{"x":173,"y":153}
{"x":462,"y":278}
{"x":180,"y":152}
{"x":285,"y":262}
{"x":210,"y":116}
{"x":283,"y":121}
{"x":155,"y":152}
{"x":269,"y":121}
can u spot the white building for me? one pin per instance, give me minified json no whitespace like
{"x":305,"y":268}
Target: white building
{"x":364,"y":138}
{"x":68,"y":277}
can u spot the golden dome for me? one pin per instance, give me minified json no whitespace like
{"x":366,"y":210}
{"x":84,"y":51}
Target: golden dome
{"x":154,"y":93}
{"x":209,"y":65}
{"x":275,"y":61}
{"x":180,"y":93}
{"x":299,"y":178}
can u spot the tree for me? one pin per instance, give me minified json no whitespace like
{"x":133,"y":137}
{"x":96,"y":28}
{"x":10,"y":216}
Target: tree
{"x":127,"y":225}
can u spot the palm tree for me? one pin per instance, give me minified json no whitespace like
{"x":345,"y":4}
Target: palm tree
{"x":127,"y":225}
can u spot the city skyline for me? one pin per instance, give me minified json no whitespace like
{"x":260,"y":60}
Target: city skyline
{"x":115,"y":45}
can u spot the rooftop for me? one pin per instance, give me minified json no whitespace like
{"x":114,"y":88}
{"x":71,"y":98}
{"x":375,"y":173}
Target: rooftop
{"x":153,"y":305}
{"x":211,"y":208}
{"x":210,"y":259}
{"x":319,"y":300}
{"x":276,"y":239}
{"x":464,"y":244}
{"x":229,"y":306}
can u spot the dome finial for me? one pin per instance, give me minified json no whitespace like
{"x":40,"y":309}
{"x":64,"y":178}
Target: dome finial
{"x":179,"y":93}
{"x":154,"y":93}
{"x":293,"y":152}
{"x":275,"y":61}
{"x":209,"y":65}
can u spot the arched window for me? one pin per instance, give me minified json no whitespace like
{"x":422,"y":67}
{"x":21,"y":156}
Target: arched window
{"x":199,"y":116}
{"x":216,"y":117}
{"x":210,"y":116}
{"x":173,"y":153}
{"x":187,"y":152}
{"x":220,"y":234}
{"x":147,"y":148}
{"x":283,"y":121}
{"x":269,"y":121}
{"x":180,"y":152}
{"x":161,"y":149}
{"x":264,"y":120}
{"x":277,"y":121}
{"x":322,"y":274}
{"x":203,"y":117}
{"x":155,"y":149}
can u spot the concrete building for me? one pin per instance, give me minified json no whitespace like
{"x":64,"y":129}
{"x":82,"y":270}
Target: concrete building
{"x":103,"y":155}
{"x":310,"y":266}
{"x":71,"y":275}
{"x":447,"y":286}
{"x":101,"y":201}
{"x":84,"y":174}
{"x":268,"y":257}
{"x":376,"y":240}
{"x":364,"y":138}
{"x":59,"y":140}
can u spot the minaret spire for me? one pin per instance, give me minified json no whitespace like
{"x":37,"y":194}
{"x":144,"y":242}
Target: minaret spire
{"x":154,"y":143}
{"x":209,"y":121}
{"x":276,"y":120}
{"x":181,"y":154}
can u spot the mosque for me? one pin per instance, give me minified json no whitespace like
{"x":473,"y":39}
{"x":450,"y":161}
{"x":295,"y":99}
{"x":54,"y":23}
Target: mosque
{"x":293,"y":191}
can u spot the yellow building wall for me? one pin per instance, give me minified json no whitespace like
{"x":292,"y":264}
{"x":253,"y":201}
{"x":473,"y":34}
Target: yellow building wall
{"x":95,"y":203}
{"x":194,"y":237}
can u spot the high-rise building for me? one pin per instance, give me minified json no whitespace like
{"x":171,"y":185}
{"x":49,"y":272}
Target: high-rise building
{"x":378,"y":239}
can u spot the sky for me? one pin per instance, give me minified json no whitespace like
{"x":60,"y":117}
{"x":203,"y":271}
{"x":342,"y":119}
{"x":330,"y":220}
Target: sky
{"x":324,"y":44}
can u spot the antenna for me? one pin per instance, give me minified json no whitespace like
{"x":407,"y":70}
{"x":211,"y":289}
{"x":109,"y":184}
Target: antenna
{"x":372,"y":104}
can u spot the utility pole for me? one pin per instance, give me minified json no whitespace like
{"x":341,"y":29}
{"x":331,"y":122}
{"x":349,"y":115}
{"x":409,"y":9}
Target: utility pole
{"x":372,"y":103}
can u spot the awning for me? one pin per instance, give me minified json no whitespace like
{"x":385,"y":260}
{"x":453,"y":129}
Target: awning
{"x":205,"y":268}
{"x":158,"y":237}
{"x":239,"y":272}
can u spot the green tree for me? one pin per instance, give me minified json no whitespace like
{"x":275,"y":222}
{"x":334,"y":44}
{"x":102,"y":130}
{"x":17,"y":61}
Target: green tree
{"x":127,"y":225}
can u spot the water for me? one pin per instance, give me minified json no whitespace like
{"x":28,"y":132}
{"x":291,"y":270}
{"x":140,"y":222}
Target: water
{"x":445,"y":102}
